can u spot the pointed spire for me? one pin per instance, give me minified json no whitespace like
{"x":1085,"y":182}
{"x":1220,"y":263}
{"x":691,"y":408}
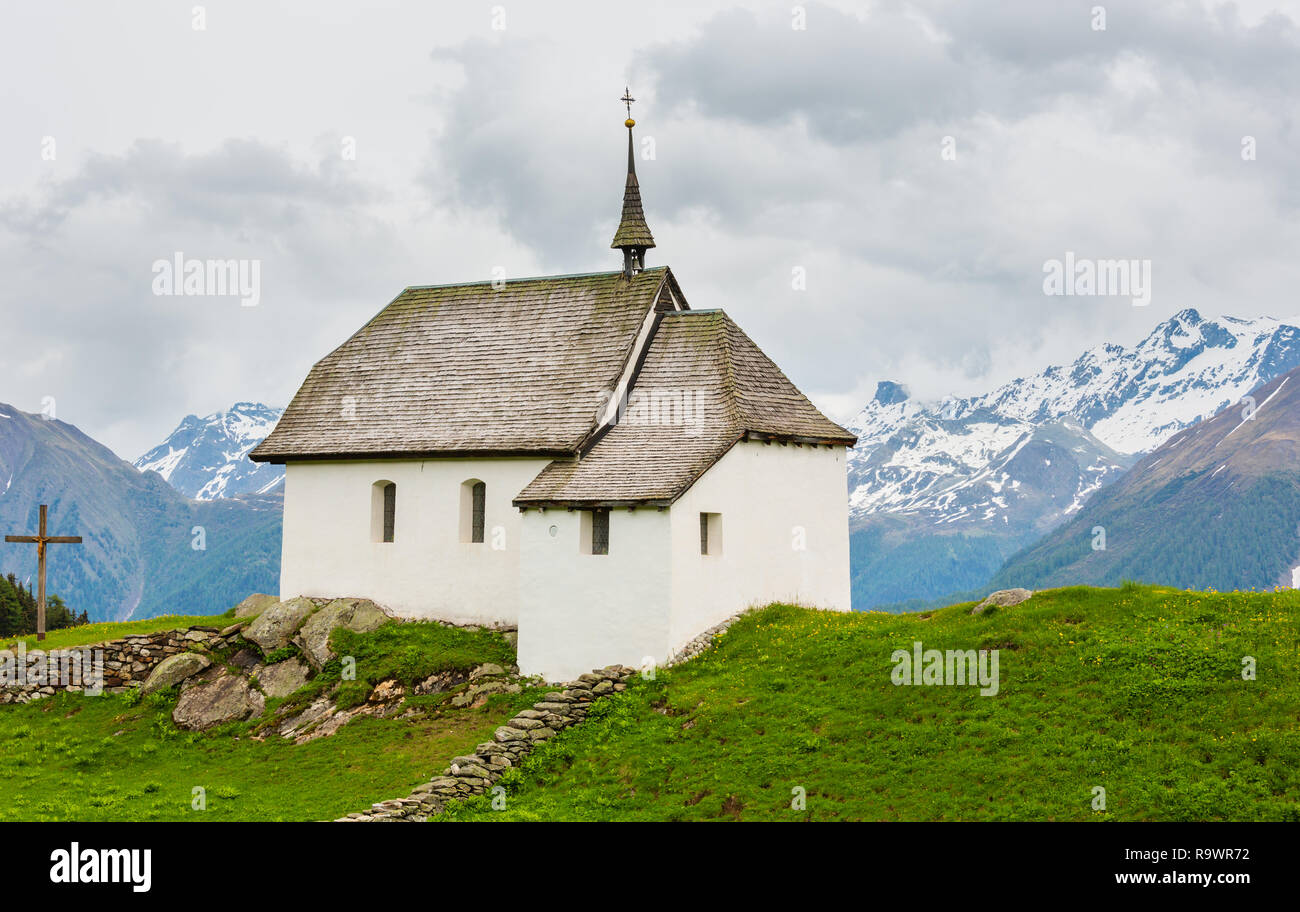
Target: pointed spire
{"x":633,"y":236}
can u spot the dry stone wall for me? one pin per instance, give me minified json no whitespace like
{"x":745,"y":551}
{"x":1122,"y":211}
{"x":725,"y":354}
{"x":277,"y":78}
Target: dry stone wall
{"x":30,"y":674}
{"x":474,"y":774}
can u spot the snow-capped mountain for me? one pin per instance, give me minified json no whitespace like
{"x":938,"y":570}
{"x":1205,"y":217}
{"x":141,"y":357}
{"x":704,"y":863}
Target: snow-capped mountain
{"x":1217,"y":506}
{"x":207,"y":458}
{"x":991,"y":474}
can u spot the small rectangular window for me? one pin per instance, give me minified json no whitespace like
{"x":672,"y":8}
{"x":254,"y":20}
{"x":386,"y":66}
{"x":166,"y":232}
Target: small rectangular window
{"x":710,"y":533}
{"x":599,"y":531}
{"x":390,"y":510}
{"x":480,"y":506}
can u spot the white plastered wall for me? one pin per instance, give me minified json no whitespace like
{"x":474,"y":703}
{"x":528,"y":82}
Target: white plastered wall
{"x":785,"y":535}
{"x":427,"y":571}
{"x":580,"y":611}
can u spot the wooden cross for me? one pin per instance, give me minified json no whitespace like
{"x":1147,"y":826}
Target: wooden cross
{"x":40,"y":539}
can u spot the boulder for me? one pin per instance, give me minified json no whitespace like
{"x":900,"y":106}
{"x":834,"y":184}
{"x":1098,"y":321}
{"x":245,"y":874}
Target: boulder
{"x":359,"y":615}
{"x":226,"y":699}
{"x":487,"y":670}
{"x":175,"y":669}
{"x":282,"y":678}
{"x":254,"y":604}
{"x":276,"y":625}
{"x":1003,"y":598}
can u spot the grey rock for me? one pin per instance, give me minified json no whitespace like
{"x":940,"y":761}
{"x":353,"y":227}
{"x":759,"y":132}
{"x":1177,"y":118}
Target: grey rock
{"x":282,"y":678}
{"x":359,"y":615}
{"x":488,"y":688}
{"x":173,"y":670}
{"x":472,"y":770}
{"x":254,"y":604}
{"x":276,"y":625}
{"x":320,"y":709}
{"x":227,"y":699}
{"x":1003,"y":598}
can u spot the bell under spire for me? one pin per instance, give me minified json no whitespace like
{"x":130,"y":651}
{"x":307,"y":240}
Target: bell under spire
{"x":633,"y":236}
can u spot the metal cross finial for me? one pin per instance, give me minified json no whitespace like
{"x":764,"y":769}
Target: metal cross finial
{"x":627,"y":99}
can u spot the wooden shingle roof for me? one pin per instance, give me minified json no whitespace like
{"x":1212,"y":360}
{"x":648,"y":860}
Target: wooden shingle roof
{"x":704,"y":385}
{"x":471,"y":369}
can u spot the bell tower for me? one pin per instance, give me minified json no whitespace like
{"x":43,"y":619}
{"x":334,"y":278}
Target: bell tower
{"x":633,"y":236}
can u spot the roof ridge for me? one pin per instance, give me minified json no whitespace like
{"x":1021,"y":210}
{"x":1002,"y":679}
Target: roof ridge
{"x":544,"y":278}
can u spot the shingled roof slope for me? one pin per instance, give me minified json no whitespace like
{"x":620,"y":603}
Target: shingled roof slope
{"x":704,"y":385}
{"x":461,"y":369}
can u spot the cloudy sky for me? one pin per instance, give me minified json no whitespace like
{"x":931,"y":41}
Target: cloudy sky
{"x":355,"y":148}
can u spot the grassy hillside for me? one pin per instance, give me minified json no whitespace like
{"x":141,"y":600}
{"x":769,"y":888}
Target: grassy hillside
{"x":1136,"y":690}
{"x":70,"y":757}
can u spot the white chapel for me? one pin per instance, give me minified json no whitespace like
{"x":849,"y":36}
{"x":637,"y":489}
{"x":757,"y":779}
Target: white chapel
{"x":584,"y":456}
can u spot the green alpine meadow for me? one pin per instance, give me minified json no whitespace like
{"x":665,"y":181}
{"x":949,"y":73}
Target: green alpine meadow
{"x":1132,"y":703}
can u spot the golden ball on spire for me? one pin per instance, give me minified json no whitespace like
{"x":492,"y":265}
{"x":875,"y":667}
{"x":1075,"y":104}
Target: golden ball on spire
{"x":629,"y":123}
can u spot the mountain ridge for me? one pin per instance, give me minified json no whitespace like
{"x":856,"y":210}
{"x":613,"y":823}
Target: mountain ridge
{"x":1217,"y":506}
{"x":207,"y":458}
{"x":945,"y":481}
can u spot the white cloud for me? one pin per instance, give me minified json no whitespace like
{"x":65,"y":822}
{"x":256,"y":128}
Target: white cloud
{"x":774,"y":149}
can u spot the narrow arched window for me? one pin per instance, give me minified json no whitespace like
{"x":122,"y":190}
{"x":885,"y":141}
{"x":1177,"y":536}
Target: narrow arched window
{"x":479,"y":506}
{"x":383,"y":511}
{"x":390,"y":510}
{"x":473,"y":511}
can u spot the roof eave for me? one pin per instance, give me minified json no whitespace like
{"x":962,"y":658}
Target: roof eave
{"x":800,"y":440}
{"x":282,"y":458}
{"x":611,"y":504}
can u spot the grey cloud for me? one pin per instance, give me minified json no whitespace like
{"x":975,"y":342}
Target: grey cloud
{"x":240,"y":183}
{"x":78,"y":255}
{"x":854,"y":79}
